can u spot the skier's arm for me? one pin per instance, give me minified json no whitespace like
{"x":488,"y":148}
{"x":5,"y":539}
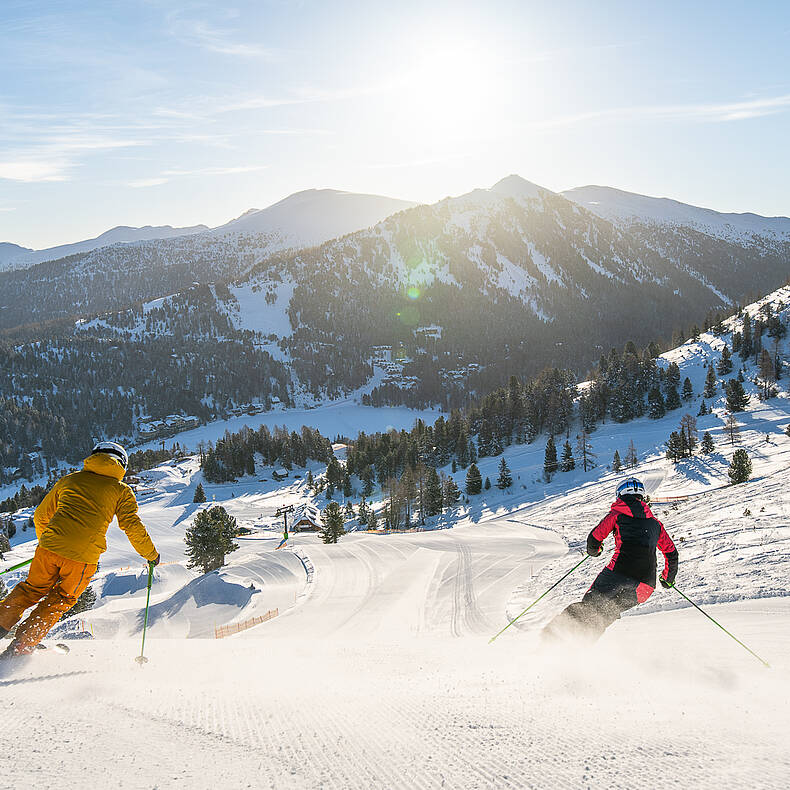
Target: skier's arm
{"x":596,"y":538}
{"x":129,"y":522}
{"x":44,"y":512}
{"x":670,"y":552}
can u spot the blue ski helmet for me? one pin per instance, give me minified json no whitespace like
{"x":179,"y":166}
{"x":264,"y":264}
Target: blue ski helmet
{"x":113,"y":449}
{"x":631,"y":486}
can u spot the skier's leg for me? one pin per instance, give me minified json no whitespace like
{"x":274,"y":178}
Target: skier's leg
{"x":41,"y":577}
{"x":610,"y":596}
{"x":74,"y":578}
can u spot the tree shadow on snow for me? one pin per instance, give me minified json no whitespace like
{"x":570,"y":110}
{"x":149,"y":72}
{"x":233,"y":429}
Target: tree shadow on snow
{"x":211,"y":589}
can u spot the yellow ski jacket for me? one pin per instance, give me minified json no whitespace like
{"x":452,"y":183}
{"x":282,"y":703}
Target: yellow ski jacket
{"x":72,"y":519}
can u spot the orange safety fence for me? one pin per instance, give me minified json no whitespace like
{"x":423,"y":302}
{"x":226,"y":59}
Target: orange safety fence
{"x":221,"y":631}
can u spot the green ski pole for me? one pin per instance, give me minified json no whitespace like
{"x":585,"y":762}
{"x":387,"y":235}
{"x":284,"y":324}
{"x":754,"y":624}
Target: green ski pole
{"x":583,"y":559}
{"x":17,"y":566}
{"x":762,"y":661}
{"x":141,"y":659}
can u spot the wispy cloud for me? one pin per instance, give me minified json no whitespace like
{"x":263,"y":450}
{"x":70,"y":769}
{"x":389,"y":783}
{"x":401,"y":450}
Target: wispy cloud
{"x":169,"y":175}
{"x":34,"y":170}
{"x":711,"y":112}
{"x":214,"y":38}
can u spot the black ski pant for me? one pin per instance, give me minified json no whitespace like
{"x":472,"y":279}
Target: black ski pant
{"x":610,"y":595}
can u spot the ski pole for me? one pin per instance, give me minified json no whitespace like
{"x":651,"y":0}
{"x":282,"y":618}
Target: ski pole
{"x":17,"y":566}
{"x":141,"y":659}
{"x":762,"y":661}
{"x":583,"y":559}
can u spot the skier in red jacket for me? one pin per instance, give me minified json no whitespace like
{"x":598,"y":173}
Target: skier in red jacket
{"x":630,"y":577}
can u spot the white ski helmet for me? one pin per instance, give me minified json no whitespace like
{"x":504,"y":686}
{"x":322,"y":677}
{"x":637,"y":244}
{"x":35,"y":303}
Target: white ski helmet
{"x":113,"y":449}
{"x":631,"y":486}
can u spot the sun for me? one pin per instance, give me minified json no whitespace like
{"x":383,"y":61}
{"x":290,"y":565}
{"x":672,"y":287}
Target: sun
{"x":451,"y":91}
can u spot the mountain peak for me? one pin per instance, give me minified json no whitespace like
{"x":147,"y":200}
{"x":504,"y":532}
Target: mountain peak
{"x":517,"y":187}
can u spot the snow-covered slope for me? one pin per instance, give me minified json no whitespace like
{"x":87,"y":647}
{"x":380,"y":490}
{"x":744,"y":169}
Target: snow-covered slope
{"x":626,"y":208}
{"x":23,"y":257}
{"x":316,"y":215}
{"x":377,"y":672}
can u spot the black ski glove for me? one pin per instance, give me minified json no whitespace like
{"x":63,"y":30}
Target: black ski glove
{"x":594,"y":547}
{"x":665,"y":583}
{"x":156,"y":561}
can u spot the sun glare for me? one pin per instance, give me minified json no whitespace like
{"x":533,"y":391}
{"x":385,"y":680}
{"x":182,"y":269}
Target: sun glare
{"x":450,"y":93}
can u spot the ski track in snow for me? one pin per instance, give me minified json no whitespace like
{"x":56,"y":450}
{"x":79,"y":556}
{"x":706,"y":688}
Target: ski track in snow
{"x":377,"y":673}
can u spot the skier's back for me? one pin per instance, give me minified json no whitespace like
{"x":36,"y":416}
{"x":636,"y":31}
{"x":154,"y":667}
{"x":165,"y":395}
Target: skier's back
{"x":71,"y":525}
{"x":630,"y":577}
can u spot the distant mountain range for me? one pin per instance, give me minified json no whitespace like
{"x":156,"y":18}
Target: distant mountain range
{"x":12,"y":256}
{"x":300,"y":220}
{"x":431,"y":304}
{"x":628,"y":209}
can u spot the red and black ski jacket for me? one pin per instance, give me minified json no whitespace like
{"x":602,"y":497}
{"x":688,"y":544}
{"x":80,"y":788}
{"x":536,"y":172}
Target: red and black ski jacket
{"x":637,"y":534}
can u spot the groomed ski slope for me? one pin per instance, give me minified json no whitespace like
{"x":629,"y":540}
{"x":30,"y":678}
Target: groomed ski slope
{"x":381,"y":676}
{"x":377,"y":673}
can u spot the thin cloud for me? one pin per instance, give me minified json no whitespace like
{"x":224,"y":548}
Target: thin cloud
{"x":169,"y":175}
{"x":715,"y":113}
{"x":34,"y":170}
{"x":223,"y":41}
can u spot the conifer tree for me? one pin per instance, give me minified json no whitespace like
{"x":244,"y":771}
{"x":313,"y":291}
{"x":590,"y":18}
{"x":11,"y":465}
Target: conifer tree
{"x":584,"y":451}
{"x":550,"y":465}
{"x":688,"y":391}
{"x":373,"y":522}
{"x":487,"y":483}
{"x":200,"y":494}
{"x":737,"y":399}
{"x":707,"y":446}
{"x":567,"y":462}
{"x":673,"y":374}
{"x":474,"y":480}
{"x":210,"y":538}
{"x":631,"y":457}
{"x":741,"y":467}
{"x":367,"y":477}
{"x":348,"y":511}
{"x":675,"y":447}
{"x":746,"y":338}
{"x":617,"y":464}
{"x":767,"y":374}
{"x":725,"y":363}
{"x":656,"y":407}
{"x":710,"y":383}
{"x":451,"y":493}
{"x":703,"y":409}
{"x":505,"y":479}
{"x":673,"y":399}
{"x":331,"y":523}
{"x":433,"y":494}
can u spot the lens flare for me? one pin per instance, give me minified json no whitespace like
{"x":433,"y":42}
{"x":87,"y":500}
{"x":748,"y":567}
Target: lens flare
{"x":413,"y":293}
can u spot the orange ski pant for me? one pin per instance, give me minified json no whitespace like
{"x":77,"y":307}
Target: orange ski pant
{"x":54,"y":583}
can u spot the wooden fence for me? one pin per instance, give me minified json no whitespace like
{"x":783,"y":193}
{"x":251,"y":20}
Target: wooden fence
{"x":221,"y":631}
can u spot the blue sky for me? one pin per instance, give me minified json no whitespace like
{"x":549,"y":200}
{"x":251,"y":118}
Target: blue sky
{"x":154,"y":112}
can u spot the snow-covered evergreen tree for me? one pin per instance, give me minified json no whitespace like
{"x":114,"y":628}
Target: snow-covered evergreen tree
{"x":741,"y":467}
{"x":332,"y":524}
{"x":550,"y":465}
{"x":505,"y":479}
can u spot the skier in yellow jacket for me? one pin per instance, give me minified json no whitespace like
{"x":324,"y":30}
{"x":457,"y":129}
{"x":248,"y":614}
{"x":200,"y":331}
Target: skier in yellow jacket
{"x":71,"y":526}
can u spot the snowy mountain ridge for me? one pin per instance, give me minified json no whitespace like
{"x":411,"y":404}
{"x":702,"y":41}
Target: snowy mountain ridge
{"x":628,"y":208}
{"x":12,"y":256}
{"x":299,"y":220}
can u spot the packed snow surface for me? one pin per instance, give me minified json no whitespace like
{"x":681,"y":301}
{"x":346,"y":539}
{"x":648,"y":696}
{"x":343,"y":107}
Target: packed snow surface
{"x":376,"y":670}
